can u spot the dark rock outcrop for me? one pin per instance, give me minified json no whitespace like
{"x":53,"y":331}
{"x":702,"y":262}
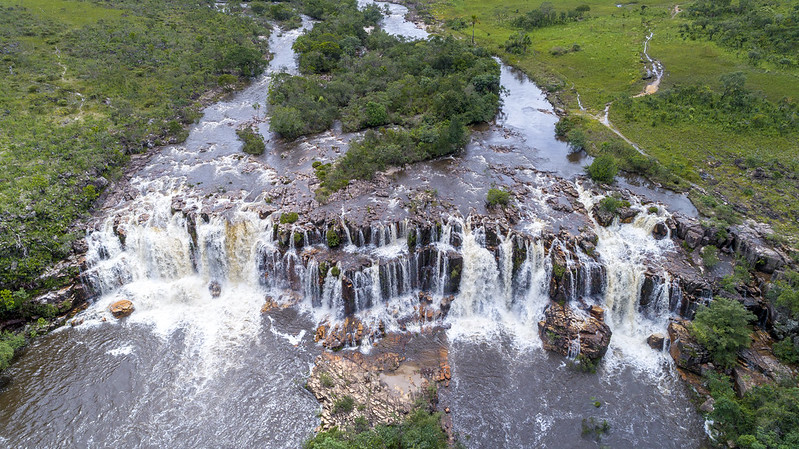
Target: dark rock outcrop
{"x":562,"y":330}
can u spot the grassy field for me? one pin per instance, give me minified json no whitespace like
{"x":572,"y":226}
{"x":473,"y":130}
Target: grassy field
{"x":84,"y":84}
{"x":609,"y":66}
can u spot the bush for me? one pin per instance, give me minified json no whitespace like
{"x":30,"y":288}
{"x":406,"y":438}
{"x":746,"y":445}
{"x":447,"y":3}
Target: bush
{"x":333,"y":240}
{"x":577,"y":139}
{"x":287,"y":122}
{"x":603,"y":169}
{"x":376,"y":114}
{"x":343,"y":405}
{"x":8,"y":344}
{"x":289,"y":217}
{"x":612,"y":204}
{"x":253,"y":142}
{"x":710,"y":257}
{"x":497,"y":197}
{"x":335,"y":271}
{"x":723,"y":328}
{"x":227,"y":81}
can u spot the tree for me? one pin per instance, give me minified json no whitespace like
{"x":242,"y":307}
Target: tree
{"x":723,"y":328}
{"x":474,"y":20}
{"x":603,"y":169}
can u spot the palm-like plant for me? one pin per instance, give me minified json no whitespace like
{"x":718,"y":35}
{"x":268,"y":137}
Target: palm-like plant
{"x":474,"y":20}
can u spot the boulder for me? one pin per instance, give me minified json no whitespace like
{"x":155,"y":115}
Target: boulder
{"x":660,"y":231}
{"x":215,"y":288}
{"x":121,"y":309}
{"x":748,"y":244}
{"x":687,"y":353}
{"x":627,"y":214}
{"x":562,"y":328}
{"x":656,"y":341}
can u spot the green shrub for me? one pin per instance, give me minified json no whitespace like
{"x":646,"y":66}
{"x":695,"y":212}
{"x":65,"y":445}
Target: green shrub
{"x":612,"y":204}
{"x":326,"y":380}
{"x":335,"y":271}
{"x":723,"y":328}
{"x":710,"y":257}
{"x":227,"y":81}
{"x":343,"y":405}
{"x":497,"y":197}
{"x":8,"y":344}
{"x":594,"y":428}
{"x":253,"y":142}
{"x":286,"y":121}
{"x":289,"y":217}
{"x":603,"y":169}
{"x":333,"y":239}
{"x":577,"y":139}
{"x":376,"y":114}
{"x":653,"y":209}
{"x":518,"y":43}
{"x":785,"y":292}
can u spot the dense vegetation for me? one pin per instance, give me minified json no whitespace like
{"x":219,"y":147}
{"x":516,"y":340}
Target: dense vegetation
{"x":419,"y":430}
{"x":723,"y":328}
{"x":84,"y":85}
{"x":764,"y":29}
{"x":765,"y":417}
{"x":414,"y":97}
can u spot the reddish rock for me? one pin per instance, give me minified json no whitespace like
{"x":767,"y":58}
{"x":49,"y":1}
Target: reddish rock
{"x":687,"y":353}
{"x":121,"y":309}
{"x":561,"y":327}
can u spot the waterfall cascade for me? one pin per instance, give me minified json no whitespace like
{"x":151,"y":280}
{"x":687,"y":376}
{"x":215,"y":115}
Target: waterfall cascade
{"x":472,"y":274}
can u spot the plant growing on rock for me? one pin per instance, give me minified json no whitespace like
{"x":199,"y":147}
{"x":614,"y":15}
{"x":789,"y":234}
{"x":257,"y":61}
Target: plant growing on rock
{"x":289,"y":217}
{"x":710,"y":257}
{"x":333,"y":239}
{"x":344,"y":404}
{"x":723,"y":328}
{"x":497,"y":197}
{"x":612,"y":204}
{"x":253,"y":142}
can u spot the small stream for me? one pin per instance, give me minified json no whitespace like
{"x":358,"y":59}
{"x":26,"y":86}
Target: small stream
{"x":187,"y":370}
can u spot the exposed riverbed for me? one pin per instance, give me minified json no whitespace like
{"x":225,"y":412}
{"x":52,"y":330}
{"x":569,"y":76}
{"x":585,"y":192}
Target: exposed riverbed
{"x":190,"y":370}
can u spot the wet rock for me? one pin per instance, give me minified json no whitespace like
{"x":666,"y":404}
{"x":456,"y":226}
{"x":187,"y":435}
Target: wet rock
{"x":215,"y":288}
{"x":603,"y":217}
{"x":562,"y":327}
{"x":121,"y":309}
{"x":627,"y":214}
{"x":656,"y":341}
{"x":687,"y":353}
{"x":660,"y":231}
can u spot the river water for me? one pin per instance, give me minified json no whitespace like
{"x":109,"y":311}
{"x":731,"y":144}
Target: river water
{"x":189,"y":370}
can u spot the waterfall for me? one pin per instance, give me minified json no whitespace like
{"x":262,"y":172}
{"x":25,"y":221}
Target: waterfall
{"x":627,"y":250}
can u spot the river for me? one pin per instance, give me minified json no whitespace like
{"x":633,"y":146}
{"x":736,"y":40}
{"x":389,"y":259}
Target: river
{"x":189,"y":370}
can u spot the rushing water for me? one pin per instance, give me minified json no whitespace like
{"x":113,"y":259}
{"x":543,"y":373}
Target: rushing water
{"x":191,"y":370}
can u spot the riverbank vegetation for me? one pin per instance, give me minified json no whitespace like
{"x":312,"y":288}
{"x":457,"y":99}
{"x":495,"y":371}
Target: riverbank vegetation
{"x":414,"y":98}
{"x":85,"y":85}
{"x":420,"y":430}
